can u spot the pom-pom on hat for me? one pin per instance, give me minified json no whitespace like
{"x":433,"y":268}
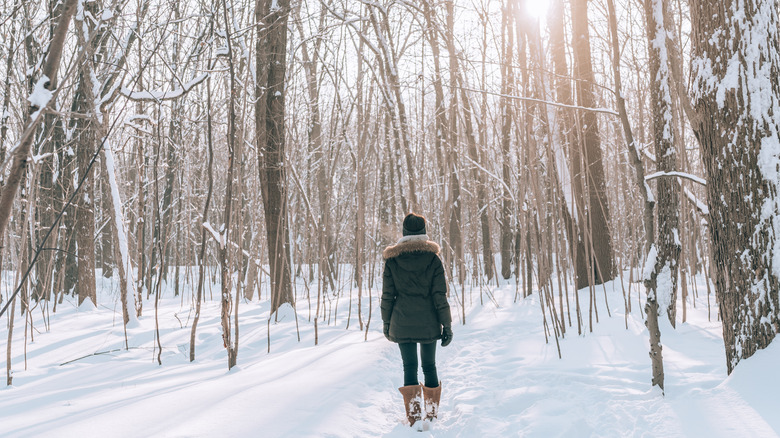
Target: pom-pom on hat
{"x":413,"y":225}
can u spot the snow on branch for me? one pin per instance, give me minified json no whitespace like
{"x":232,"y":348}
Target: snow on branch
{"x":222,"y":241}
{"x":546,"y":102}
{"x":159,"y":96}
{"x":649,"y":155}
{"x":40,"y":96}
{"x":684,"y":175}
{"x":700,"y":206}
{"x":217,"y":236}
{"x":495,"y":177}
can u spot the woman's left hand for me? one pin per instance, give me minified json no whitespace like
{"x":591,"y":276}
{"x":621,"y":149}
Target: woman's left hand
{"x":446,"y":335}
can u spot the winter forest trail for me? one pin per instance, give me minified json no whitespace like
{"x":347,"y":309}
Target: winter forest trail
{"x":499,"y":379}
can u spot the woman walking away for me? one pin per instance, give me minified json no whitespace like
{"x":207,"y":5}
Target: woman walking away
{"x":415,"y":311}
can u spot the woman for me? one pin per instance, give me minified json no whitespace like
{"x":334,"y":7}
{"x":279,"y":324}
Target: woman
{"x":415,"y":311}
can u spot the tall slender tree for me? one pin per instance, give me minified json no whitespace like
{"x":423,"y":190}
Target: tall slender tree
{"x":271,"y":64}
{"x":587,"y":158}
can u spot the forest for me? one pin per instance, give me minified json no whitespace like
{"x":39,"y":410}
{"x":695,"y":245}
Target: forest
{"x":231,"y":152}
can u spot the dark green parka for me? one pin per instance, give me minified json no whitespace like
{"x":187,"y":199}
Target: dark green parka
{"x":414,"y":292}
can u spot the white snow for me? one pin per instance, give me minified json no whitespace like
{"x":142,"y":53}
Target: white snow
{"x":164,"y":95}
{"x":219,"y":237}
{"x":685,"y":175}
{"x":118,"y":217}
{"x":499,"y":377}
{"x":652,"y":257}
{"x":40,"y":96}
{"x":701,"y":206}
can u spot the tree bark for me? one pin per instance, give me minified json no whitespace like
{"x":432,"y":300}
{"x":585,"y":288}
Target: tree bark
{"x":271,"y":50}
{"x":655,"y":265}
{"x":667,"y":241}
{"x":587,"y":158}
{"x":229,"y":331}
{"x":739,"y":132}
{"x":22,"y":151}
{"x":505,"y":109}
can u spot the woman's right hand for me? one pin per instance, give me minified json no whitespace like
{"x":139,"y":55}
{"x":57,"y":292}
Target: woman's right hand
{"x":386,"y":330}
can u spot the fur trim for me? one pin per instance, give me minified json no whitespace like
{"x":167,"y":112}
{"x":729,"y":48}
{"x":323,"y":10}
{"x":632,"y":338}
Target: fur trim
{"x":413,"y":237}
{"x":410,"y":246}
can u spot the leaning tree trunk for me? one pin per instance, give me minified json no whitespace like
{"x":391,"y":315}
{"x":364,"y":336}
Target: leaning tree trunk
{"x":43,"y":93}
{"x":736,"y":50}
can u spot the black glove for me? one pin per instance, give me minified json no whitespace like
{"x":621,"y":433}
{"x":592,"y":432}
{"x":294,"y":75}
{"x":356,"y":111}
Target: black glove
{"x":446,"y":335}
{"x":386,"y":330}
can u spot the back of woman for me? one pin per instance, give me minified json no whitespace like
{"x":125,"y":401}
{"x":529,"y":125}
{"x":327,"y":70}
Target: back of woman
{"x":415,"y":311}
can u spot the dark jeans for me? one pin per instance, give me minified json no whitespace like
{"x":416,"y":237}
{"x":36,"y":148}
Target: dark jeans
{"x":428,"y":356}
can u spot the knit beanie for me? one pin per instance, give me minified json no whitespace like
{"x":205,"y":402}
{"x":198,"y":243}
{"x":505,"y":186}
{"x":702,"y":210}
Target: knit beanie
{"x":413,"y":224}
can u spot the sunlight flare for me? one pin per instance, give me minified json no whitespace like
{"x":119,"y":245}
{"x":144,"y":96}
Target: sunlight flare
{"x":537,"y":8}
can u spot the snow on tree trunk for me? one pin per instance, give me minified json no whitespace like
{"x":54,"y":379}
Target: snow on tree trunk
{"x":667,"y":240}
{"x":736,"y":68}
{"x":652,"y":265}
{"x":38,"y":101}
{"x":120,"y":237}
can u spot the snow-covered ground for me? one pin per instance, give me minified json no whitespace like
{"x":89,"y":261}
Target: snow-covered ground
{"x":499,"y":376}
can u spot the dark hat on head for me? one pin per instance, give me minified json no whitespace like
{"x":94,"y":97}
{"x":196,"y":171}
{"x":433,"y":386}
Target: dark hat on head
{"x":413,"y":224}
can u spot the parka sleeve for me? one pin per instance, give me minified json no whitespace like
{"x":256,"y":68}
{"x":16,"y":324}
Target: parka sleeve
{"x":439,"y":292}
{"x":389,"y":294}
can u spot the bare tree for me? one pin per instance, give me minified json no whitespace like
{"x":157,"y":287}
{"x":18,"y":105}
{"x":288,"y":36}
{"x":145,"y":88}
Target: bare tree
{"x":41,"y":97}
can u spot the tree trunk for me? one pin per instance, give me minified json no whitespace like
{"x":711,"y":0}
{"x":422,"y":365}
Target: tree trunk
{"x":44,"y":95}
{"x":654,"y":267}
{"x":668,"y":240}
{"x":456,"y":215}
{"x":587,"y":158}
{"x":736,"y":50}
{"x":204,"y":219}
{"x":271,"y":49}
{"x":569,"y":136}
{"x":505,"y":110}
{"x":229,"y":331}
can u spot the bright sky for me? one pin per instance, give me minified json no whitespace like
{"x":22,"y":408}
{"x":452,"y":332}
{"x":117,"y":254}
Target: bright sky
{"x":537,"y":8}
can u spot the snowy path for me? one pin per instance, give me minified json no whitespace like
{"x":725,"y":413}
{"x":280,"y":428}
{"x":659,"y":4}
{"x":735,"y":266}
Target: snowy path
{"x":499,"y":379}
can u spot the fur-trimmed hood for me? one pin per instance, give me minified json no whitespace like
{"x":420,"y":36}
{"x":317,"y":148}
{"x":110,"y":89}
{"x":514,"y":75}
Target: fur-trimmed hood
{"x":410,"y":246}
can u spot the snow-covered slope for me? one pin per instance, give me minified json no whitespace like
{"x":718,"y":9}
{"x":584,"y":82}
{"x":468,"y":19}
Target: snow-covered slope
{"x":499,"y":377}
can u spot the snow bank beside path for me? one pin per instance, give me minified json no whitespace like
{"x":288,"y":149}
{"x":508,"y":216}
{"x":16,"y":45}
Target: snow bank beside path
{"x":499,"y":378}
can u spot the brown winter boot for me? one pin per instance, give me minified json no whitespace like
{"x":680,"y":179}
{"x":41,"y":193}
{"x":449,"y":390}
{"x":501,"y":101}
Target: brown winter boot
{"x":432,"y":397}
{"x":412,"y":402}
